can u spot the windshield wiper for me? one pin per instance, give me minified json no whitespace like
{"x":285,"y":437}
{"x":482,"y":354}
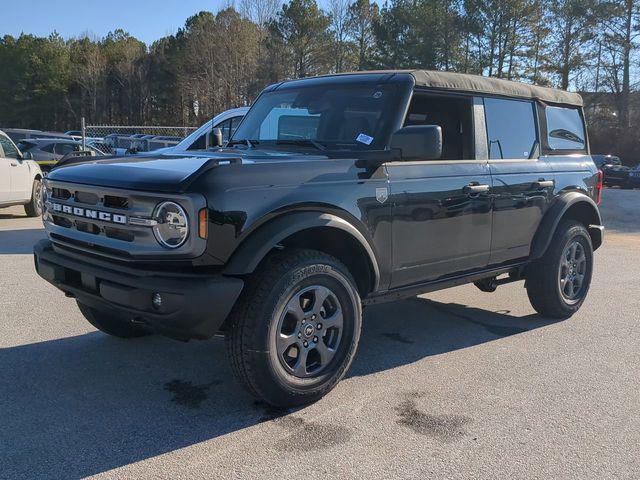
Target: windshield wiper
{"x":243,"y":141}
{"x":303,"y":142}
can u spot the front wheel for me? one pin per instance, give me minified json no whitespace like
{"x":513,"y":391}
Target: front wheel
{"x":557,"y":284}
{"x":295,"y":330}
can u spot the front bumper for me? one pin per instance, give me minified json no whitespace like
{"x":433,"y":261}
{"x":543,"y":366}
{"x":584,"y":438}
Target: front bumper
{"x":193,"y":306}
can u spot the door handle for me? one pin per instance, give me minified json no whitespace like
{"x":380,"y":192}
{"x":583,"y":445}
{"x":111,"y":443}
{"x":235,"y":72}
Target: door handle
{"x":14,"y":163}
{"x":475,"y":187}
{"x":543,"y":183}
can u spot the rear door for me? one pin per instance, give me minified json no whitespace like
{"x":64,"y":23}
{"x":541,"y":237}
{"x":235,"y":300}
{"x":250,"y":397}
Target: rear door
{"x":522,"y":182}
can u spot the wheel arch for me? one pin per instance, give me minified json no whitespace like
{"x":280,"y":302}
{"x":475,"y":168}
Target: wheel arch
{"x":323,"y":231}
{"x":570,"y":206}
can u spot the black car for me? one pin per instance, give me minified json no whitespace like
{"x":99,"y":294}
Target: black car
{"x":334,"y":193}
{"x":615,"y":174}
{"x":634,"y":177}
{"x":603,"y":160}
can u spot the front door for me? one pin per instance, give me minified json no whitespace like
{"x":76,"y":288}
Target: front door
{"x":15,"y":171}
{"x":441,"y":209}
{"x":5,"y":178}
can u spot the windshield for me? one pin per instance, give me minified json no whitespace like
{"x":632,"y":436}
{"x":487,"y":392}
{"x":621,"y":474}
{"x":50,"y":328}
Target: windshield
{"x":332,"y":117}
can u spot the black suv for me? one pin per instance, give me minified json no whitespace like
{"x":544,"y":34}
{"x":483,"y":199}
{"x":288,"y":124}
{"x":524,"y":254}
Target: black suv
{"x":334,"y":193}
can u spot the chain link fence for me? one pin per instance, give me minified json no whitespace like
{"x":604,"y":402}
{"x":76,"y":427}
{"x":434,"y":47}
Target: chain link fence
{"x":121,"y":139}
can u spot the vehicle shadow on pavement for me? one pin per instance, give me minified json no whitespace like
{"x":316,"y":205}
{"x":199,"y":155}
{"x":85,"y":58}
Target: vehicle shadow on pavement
{"x":82,"y":405}
{"x":19,"y":241}
{"x":400,"y":333}
{"x":8,"y":216}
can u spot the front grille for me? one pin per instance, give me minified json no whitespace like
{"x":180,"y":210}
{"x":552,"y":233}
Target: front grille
{"x":88,"y":227}
{"x":111,"y":201}
{"x":114,"y":222}
{"x":91,"y":211}
{"x":119,"y":234}
{"x":62,"y":221}
{"x":67,"y":242}
{"x":60,"y":193}
{"x":87,"y":198}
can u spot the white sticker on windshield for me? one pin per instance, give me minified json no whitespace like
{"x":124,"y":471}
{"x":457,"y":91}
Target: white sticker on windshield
{"x":363,"y":138}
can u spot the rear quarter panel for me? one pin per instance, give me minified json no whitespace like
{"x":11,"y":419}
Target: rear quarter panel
{"x":574,"y":173}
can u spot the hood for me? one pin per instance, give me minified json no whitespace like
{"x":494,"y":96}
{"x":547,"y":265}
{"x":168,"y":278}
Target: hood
{"x":162,"y":173}
{"x":159,"y":174}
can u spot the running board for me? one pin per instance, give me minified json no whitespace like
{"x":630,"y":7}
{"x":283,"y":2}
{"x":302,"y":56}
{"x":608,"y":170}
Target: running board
{"x":419,"y":289}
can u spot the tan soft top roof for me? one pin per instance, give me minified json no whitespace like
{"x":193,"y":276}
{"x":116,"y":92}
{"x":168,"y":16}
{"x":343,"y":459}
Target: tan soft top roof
{"x":493,"y":86}
{"x":463,"y":82}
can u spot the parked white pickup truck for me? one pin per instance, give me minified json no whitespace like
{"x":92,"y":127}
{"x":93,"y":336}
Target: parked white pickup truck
{"x":20,"y":179}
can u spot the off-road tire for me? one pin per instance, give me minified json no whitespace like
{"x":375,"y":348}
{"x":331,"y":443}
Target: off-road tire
{"x":34,"y":207}
{"x":111,"y":323}
{"x":543,"y":276}
{"x":255,"y":320}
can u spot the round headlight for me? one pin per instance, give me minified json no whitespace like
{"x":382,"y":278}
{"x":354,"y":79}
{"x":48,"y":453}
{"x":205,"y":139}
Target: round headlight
{"x":172,"y":227}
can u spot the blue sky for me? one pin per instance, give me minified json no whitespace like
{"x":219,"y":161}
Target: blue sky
{"x":147,"y":20}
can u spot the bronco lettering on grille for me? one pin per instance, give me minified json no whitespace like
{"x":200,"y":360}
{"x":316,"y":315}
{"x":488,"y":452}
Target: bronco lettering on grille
{"x":90,"y":213}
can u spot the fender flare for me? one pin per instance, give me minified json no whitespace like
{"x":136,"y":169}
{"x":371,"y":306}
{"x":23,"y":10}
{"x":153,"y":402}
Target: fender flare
{"x":550,"y":221}
{"x":260,"y":242}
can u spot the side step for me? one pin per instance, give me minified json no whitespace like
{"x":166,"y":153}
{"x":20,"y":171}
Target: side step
{"x":515,"y":272}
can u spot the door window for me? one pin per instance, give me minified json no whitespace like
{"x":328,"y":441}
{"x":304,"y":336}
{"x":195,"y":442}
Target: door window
{"x":225,"y":128}
{"x":454,"y":116}
{"x":565,"y":129}
{"x":511,"y":128}
{"x":235,"y":121}
{"x":9,"y":149}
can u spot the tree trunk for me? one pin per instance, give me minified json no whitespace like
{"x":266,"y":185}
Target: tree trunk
{"x":626,"y":54}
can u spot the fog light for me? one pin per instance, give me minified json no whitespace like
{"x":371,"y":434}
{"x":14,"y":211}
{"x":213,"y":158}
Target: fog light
{"x":157,"y":301}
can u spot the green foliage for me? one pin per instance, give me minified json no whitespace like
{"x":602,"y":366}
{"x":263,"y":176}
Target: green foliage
{"x":301,"y":28}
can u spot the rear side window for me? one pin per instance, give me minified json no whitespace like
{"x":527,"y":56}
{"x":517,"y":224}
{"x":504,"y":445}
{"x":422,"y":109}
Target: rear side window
{"x":565,"y":129}
{"x":511,"y":128}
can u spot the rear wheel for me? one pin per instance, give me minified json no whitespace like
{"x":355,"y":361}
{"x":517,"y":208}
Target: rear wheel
{"x":34,"y":207}
{"x":111,"y":323}
{"x":558,"y":283}
{"x":295,"y":330}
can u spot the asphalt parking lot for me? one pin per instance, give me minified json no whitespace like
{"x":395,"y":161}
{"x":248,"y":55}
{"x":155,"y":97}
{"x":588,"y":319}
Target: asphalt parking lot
{"x":455,"y":384}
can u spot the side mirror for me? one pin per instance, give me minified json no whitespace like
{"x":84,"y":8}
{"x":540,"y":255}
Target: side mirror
{"x":418,"y":142}
{"x":217,"y":137}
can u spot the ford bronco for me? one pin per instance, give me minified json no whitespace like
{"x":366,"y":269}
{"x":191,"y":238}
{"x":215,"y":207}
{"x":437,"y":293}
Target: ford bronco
{"x":334,"y":193}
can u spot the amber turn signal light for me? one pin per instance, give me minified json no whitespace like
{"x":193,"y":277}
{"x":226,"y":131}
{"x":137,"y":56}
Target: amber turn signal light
{"x":202,"y":223}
